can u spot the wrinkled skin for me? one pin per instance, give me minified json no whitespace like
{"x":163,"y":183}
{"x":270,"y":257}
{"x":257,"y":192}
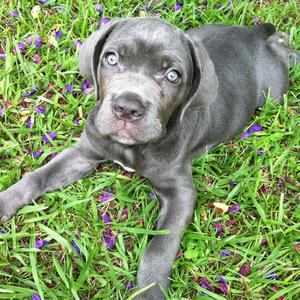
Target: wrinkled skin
{"x":224,"y":72}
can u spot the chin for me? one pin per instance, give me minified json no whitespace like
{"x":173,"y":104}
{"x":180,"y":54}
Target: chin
{"x":123,"y":140}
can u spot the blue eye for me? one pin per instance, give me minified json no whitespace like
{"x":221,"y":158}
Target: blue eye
{"x":111,"y":59}
{"x":172,"y":76}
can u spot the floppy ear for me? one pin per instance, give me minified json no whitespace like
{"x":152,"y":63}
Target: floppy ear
{"x":204,"y":84}
{"x":89,"y":53}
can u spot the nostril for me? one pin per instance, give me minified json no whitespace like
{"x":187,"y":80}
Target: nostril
{"x":137,"y":113}
{"x":128,"y":107}
{"x":118,"y":108}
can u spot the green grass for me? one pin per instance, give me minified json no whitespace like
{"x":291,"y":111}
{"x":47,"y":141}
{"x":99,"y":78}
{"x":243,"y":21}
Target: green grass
{"x":266,"y":185}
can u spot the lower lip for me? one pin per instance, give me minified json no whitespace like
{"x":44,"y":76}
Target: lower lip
{"x":123,"y":129}
{"x":124,"y":134}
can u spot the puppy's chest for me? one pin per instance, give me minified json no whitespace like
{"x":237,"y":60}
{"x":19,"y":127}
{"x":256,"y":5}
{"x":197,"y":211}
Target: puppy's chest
{"x":126,"y":158}
{"x":136,"y":160}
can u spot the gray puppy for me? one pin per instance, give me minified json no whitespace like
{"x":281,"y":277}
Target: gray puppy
{"x":163,"y":97}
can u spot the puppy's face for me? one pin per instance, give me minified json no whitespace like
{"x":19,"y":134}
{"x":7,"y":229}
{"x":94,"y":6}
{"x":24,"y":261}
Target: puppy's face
{"x":145,"y":72}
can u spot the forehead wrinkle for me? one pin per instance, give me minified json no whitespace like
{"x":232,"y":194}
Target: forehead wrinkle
{"x":175,"y":58}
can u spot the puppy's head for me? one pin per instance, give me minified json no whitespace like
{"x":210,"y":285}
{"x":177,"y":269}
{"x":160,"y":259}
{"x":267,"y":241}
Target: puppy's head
{"x":143,"y":69}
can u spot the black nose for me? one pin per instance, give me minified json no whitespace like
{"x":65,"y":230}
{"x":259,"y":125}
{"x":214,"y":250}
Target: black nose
{"x":128,"y":107}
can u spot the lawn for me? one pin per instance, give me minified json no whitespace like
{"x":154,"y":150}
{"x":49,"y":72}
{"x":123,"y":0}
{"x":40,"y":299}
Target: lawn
{"x":85,"y":241}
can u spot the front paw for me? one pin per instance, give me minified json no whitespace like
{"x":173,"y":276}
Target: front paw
{"x":153,"y":293}
{"x":8,"y":208}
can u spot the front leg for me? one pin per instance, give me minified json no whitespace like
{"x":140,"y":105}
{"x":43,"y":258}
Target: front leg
{"x":175,"y":191}
{"x":71,"y":164}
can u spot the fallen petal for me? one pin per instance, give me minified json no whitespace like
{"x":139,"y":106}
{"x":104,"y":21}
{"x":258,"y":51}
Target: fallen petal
{"x":52,"y":41}
{"x":235,"y":208}
{"x":35,"y":11}
{"x":221,"y":207}
{"x":245,"y":269}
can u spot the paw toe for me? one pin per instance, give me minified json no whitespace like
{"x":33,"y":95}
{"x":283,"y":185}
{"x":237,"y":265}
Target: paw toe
{"x":4,"y":218}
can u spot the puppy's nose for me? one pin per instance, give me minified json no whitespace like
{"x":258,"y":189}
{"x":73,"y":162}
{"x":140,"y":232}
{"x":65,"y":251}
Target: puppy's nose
{"x":128,"y":107}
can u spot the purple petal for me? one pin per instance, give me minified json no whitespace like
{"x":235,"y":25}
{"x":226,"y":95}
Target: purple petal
{"x":124,"y":214}
{"x":69,"y":87}
{"x":2,"y":112}
{"x":105,"y":196}
{"x":252,"y":129}
{"x":109,"y":239}
{"x":256,"y":21}
{"x":222,"y":280}
{"x":225,"y":253}
{"x":2,"y":232}
{"x":35,"y":297}
{"x":52,"y":136}
{"x":28,"y":123}
{"x":21,"y":46}
{"x":38,"y":42}
{"x":107,"y":220}
{"x":245,"y":269}
{"x":48,"y":95}
{"x":232,"y":184}
{"x":37,"y":58}
{"x":58,"y":34}
{"x":29,"y":40}
{"x":272,"y":276}
{"x":43,"y":1}
{"x":40,"y":243}
{"x":152,"y":195}
{"x":78,"y":43}
{"x":14,"y":14}
{"x":129,"y":285}
{"x":98,"y":8}
{"x":76,"y":122}
{"x":60,"y":8}
{"x":223,"y":288}
{"x":260,"y":151}
{"x":33,"y":90}
{"x":72,"y":16}
{"x":244,"y":135}
{"x":205,"y":284}
{"x":86,"y":86}
{"x":235,"y":208}
{"x":255,"y":128}
{"x":102,"y":22}
{"x":40,"y":110}
{"x":37,"y":154}
{"x":219,"y":227}
{"x":177,"y":6}
{"x":3,"y":56}
{"x":77,"y":249}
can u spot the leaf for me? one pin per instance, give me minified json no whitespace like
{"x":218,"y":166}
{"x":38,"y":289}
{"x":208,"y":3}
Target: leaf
{"x":189,"y":254}
{"x":221,"y":207}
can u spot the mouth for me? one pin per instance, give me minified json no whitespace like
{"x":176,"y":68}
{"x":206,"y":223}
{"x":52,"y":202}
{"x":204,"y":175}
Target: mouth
{"x":124,"y":132}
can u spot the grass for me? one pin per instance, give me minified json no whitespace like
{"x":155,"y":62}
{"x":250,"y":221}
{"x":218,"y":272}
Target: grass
{"x":265,"y":232}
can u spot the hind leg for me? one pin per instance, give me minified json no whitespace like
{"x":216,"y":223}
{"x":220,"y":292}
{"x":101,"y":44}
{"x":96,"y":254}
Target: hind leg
{"x":279,"y":38}
{"x":273,"y":68}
